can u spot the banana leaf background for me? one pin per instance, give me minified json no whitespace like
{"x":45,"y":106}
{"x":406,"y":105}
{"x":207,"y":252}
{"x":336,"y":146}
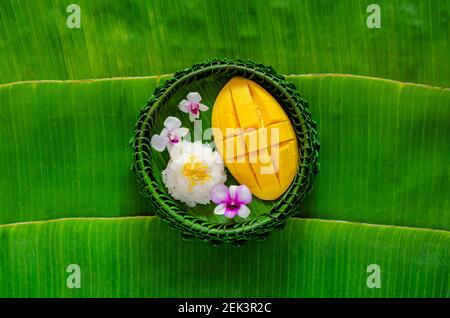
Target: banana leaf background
{"x":69,"y":99}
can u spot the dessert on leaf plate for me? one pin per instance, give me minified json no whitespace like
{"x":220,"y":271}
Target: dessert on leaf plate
{"x":226,"y":151}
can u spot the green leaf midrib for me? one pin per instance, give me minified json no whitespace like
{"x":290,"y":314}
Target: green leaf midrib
{"x":295,"y":218}
{"x":166,"y":76}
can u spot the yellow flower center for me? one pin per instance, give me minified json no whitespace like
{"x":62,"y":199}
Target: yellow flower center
{"x":196,"y":171}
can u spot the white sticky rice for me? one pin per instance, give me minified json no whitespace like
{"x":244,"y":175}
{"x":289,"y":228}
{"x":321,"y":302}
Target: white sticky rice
{"x":193,"y":169}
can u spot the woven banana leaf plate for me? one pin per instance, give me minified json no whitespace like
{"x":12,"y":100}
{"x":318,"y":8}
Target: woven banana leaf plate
{"x":207,"y":80}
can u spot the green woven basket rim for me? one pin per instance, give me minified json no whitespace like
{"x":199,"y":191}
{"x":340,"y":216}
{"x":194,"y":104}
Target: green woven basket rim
{"x":262,"y":225}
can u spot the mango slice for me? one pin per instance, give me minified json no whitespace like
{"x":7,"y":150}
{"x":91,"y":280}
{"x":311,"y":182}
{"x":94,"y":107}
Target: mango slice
{"x":255,"y":138}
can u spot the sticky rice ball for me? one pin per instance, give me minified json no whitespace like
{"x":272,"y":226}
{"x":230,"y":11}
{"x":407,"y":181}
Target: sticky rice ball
{"x":192,"y":171}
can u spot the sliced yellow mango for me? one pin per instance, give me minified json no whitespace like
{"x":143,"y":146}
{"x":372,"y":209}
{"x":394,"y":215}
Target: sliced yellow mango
{"x":255,"y":138}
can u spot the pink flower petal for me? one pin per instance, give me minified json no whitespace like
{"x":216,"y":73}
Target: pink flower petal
{"x":159,"y":143}
{"x":220,"y":209}
{"x":220,"y":194}
{"x":172,"y":123}
{"x":174,"y":139}
{"x":194,"y":97}
{"x":230,"y":213}
{"x":233,"y":189}
{"x":243,"y":211}
{"x":184,"y":106}
{"x":203,"y":107}
{"x":243,"y":194}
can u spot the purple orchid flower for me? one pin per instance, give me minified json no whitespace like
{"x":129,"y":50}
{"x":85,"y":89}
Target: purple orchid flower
{"x":170,"y":135}
{"x":192,"y":105}
{"x":231,"y":201}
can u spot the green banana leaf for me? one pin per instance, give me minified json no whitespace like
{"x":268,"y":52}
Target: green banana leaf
{"x":384,"y":156}
{"x":385,"y":152}
{"x":140,"y":257}
{"x":142,"y":37}
{"x":69,"y":99}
